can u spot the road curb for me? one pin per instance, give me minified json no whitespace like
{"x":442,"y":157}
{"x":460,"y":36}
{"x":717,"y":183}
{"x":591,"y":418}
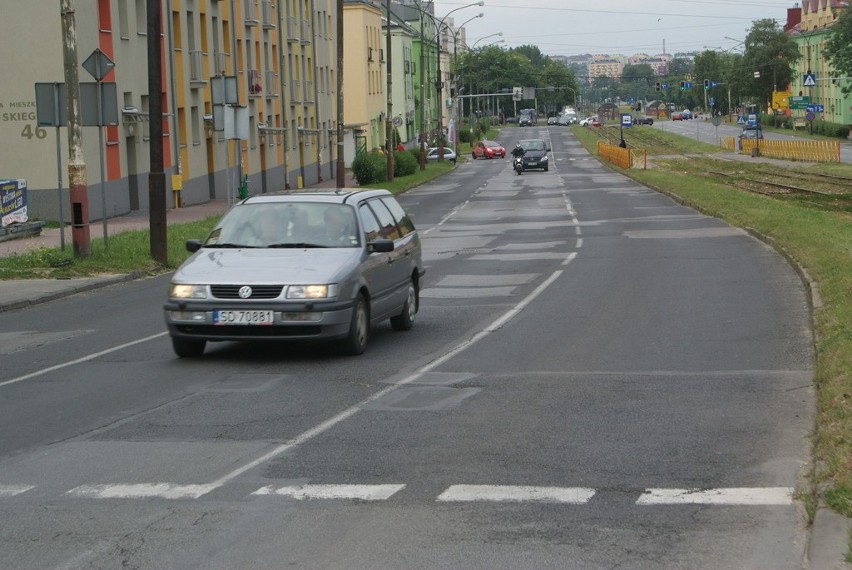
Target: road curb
{"x":65,"y":288}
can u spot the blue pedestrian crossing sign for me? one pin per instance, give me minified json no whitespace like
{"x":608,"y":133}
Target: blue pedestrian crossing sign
{"x":741,"y":120}
{"x":809,"y":80}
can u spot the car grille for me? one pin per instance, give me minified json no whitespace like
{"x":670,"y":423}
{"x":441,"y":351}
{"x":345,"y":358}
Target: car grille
{"x":212,"y":331}
{"x":257,"y":291}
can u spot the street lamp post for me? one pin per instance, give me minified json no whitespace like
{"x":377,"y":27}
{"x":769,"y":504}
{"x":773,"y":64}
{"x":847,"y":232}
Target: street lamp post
{"x":457,"y":114}
{"x":439,"y":84}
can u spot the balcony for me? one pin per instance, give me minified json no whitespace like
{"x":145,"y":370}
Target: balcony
{"x":271,"y":83}
{"x":196,"y":66}
{"x":254,"y":82}
{"x":268,"y":15}
{"x":292,"y":29}
{"x":296,"y":92}
{"x":250,"y":13}
{"x":220,"y":59}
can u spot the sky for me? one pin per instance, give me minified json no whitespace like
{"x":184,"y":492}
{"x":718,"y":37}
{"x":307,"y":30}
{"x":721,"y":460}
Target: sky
{"x":573,"y":27}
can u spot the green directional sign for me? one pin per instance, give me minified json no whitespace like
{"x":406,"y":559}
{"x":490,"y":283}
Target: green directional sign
{"x":799,"y":101}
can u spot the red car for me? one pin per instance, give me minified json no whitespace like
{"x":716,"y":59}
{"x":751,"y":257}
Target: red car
{"x":487,"y":149}
{"x":677,"y":116}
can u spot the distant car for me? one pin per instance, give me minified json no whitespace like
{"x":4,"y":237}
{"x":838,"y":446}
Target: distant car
{"x":586,"y":122}
{"x":552,"y":120}
{"x":525,"y":121}
{"x":751,"y":133}
{"x":511,"y":119}
{"x":449,"y":154}
{"x":677,"y":116}
{"x":686,"y":114}
{"x":535,"y":153}
{"x":488,"y":149}
{"x":567,"y":119}
{"x":644,"y":120}
{"x":298,"y":266}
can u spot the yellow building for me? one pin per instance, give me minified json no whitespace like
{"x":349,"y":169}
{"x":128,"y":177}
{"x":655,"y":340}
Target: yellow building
{"x":280,"y":58}
{"x":365,"y":101}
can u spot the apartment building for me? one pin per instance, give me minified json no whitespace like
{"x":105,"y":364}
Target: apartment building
{"x":278,"y":60}
{"x":809,"y":26}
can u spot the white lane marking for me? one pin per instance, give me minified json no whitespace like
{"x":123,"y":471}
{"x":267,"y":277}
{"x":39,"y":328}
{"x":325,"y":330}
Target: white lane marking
{"x":730,"y":496}
{"x":570,"y":258}
{"x":346,"y":414}
{"x":12,"y":490}
{"x":359,"y":492}
{"x":141,"y":491}
{"x":82,"y":359}
{"x":517,"y":494}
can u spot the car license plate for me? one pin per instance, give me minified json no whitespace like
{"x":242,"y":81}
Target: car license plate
{"x":532,"y":163}
{"x":243,"y":318}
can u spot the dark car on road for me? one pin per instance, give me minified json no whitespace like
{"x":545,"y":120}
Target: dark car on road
{"x":644,"y":120}
{"x":298,"y":266}
{"x":535,"y":154}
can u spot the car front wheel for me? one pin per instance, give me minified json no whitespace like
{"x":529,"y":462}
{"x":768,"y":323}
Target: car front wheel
{"x":359,"y":327}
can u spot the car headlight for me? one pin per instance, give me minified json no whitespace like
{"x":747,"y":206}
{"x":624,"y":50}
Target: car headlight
{"x":312,"y":291}
{"x":543,"y":158}
{"x":181,"y":291}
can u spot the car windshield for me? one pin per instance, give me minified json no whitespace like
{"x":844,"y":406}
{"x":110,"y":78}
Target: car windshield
{"x":286,"y":224}
{"x":490,"y":143}
{"x":533,"y":145}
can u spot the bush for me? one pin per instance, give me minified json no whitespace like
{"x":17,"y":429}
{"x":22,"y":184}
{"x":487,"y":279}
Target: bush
{"x":831,"y":129}
{"x":404,"y":163}
{"x":370,"y":167}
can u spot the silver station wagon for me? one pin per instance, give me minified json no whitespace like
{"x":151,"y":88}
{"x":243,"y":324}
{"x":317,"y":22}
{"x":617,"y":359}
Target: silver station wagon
{"x":299,"y":266}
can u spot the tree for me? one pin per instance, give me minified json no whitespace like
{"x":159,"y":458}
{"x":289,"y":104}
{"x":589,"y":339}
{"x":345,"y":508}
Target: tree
{"x":771,"y":52}
{"x":680,"y":67}
{"x":636,"y":81}
{"x":533,"y":54}
{"x":838,"y":47}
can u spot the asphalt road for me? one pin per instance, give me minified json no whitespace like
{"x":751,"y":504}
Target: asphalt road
{"x":598,"y":378}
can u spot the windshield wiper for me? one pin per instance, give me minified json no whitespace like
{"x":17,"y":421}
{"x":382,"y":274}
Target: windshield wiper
{"x":296,"y":245}
{"x":230,"y":245}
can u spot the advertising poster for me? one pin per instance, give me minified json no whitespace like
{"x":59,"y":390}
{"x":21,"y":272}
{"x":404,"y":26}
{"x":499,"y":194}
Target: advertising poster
{"x":13,"y":202}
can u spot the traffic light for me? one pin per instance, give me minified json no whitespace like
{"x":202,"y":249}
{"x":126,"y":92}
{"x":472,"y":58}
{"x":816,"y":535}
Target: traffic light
{"x":683,"y":85}
{"x":706,"y":84}
{"x":657,"y":86}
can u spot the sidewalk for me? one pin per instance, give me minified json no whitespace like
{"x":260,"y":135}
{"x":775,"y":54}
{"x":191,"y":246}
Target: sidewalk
{"x":15,"y":294}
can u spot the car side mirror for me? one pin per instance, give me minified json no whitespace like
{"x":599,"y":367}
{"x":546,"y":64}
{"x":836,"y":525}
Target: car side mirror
{"x":193,"y":245}
{"x":380,"y":246}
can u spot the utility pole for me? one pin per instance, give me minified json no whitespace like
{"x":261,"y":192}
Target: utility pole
{"x":389,"y":118}
{"x":341,"y":165}
{"x":77,"y":184}
{"x":423,"y":79}
{"x":156,"y":177}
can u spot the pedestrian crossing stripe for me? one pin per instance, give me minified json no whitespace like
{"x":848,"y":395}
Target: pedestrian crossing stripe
{"x":732,"y":496}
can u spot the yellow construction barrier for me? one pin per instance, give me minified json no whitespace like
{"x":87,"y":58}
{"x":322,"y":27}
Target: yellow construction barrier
{"x":621,"y":157}
{"x":728,"y":143}
{"x":808,"y":151}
